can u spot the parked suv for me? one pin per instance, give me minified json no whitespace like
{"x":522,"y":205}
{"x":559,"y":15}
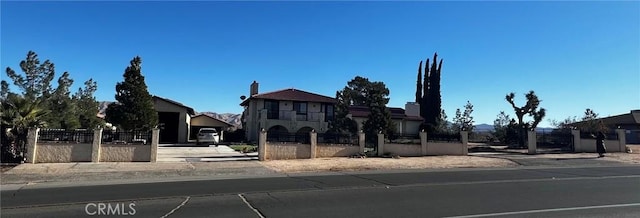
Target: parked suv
{"x":208,"y":135}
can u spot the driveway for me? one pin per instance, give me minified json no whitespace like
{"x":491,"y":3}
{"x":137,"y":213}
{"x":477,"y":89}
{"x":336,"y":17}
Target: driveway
{"x":188,"y":153}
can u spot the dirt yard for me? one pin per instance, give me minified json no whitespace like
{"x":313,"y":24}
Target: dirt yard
{"x":354,"y":164}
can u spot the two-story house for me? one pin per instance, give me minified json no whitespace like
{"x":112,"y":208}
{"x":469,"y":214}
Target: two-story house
{"x":288,"y":110}
{"x":407,"y":121}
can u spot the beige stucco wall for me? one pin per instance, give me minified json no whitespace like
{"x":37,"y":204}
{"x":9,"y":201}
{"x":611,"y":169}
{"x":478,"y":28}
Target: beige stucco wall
{"x":406,"y":150}
{"x":285,"y":151}
{"x":124,"y":153}
{"x":336,"y":150}
{"x":446,"y":148}
{"x":63,"y":152}
{"x":589,"y":145}
{"x":183,"y":126}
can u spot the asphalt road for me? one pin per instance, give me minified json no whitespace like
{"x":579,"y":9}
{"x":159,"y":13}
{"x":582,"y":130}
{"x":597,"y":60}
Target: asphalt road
{"x":539,"y":192}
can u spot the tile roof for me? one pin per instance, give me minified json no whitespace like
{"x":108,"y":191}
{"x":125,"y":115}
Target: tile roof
{"x":291,"y":95}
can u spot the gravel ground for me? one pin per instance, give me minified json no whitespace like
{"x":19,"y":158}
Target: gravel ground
{"x":354,"y":164}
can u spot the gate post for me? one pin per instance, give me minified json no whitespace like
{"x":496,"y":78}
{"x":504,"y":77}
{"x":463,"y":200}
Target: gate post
{"x":262,"y":145}
{"x":32,"y":147}
{"x":380,"y":143}
{"x":155,"y":139}
{"x":361,"y":141}
{"x":95,"y":145}
{"x":576,"y":140}
{"x":622,"y":140}
{"x":314,"y":143}
{"x":532,"y":142}
{"x":423,"y":142}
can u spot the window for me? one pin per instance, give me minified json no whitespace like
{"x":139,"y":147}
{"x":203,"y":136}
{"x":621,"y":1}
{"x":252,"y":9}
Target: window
{"x":300,"y":108}
{"x":273,"y":109}
{"x":328,"y":114}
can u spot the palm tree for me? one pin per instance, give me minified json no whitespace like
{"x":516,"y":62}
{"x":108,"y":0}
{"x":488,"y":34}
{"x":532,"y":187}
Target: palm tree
{"x":19,"y":114}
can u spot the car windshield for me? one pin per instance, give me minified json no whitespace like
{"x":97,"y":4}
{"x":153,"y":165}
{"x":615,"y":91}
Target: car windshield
{"x":208,"y":131}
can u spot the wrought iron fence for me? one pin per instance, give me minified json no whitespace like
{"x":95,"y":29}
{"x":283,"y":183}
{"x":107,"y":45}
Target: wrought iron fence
{"x":288,"y":137}
{"x":336,"y":138}
{"x":10,"y":151}
{"x":117,"y":137}
{"x":63,"y":135}
{"x":396,"y":136}
{"x":555,"y":139}
{"x":443,"y":137}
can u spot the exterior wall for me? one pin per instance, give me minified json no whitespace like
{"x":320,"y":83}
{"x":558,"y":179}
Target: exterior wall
{"x":285,"y":151}
{"x":183,"y":127}
{"x":90,"y":152}
{"x":125,"y":153}
{"x":412,"y":127}
{"x":278,"y":151}
{"x":406,"y":150}
{"x":445,"y":148}
{"x":256,"y":118}
{"x":589,"y":145}
{"x":336,"y":150}
{"x":63,"y":153}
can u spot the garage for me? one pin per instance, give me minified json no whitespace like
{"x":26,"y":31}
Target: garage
{"x":173,"y":120}
{"x":207,"y":121}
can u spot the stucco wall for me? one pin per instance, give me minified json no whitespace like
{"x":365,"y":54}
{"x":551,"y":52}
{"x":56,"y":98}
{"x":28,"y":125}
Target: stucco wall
{"x":63,"y":152}
{"x":336,"y":150}
{"x":589,"y":145}
{"x":445,"y":148}
{"x":124,"y":153}
{"x":284,"y":151}
{"x":406,"y":150}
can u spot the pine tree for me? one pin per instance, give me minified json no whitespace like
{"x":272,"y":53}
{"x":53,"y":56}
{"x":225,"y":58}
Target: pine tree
{"x":134,"y":109}
{"x":87,"y":105}
{"x":63,"y":113}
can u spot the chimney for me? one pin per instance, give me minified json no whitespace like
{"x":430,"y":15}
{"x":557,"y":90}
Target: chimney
{"x":254,"y":89}
{"x":412,"y":109}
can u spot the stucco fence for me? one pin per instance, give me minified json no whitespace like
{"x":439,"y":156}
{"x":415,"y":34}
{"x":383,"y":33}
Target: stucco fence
{"x":273,"y":150}
{"x":582,"y":144}
{"x":89,"y":150}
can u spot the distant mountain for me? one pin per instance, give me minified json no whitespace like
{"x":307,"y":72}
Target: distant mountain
{"x":233,"y":119}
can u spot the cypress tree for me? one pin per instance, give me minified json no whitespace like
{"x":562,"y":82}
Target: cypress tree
{"x":435,"y":99}
{"x":419,"y":84}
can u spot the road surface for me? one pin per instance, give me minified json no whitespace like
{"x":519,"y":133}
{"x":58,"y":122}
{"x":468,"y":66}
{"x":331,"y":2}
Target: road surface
{"x":531,"y":192}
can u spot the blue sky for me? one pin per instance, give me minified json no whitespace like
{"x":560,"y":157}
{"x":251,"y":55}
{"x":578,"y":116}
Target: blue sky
{"x":574,"y":55}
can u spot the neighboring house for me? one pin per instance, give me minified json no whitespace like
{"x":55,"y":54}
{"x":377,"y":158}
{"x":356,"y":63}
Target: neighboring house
{"x":287,"y":110}
{"x":630,"y":122}
{"x":174,"y":120}
{"x":407,"y":121}
{"x":207,"y":121}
